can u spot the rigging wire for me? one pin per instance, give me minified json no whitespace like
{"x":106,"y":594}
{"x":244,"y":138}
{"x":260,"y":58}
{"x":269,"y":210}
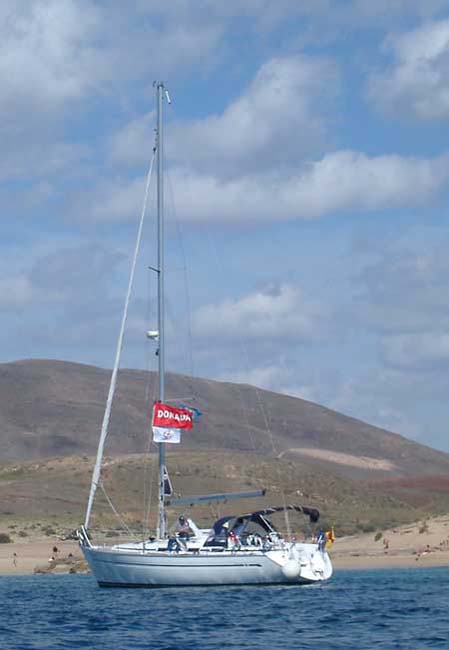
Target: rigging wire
{"x":148,"y":483}
{"x":149,"y":465}
{"x":244,"y":348}
{"x":273,"y":446}
{"x":112,"y":386}
{"x":190,"y":363}
{"x":217,"y":259}
{"x":149,"y":398}
{"x":189,"y":359}
{"x":114,"y":510}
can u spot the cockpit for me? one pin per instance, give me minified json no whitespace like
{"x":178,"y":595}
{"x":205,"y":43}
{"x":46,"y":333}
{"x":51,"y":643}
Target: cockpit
{"x":253,"y":529}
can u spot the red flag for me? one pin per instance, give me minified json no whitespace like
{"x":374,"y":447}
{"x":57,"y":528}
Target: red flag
{"x":171,"y":417}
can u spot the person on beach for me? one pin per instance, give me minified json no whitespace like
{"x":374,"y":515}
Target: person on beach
{"x":14,"y":559}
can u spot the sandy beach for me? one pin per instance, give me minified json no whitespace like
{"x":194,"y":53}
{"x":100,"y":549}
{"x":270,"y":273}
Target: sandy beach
{"x":415,"y":545}
{"x":423,"y":544}
{"x":32,"y":554}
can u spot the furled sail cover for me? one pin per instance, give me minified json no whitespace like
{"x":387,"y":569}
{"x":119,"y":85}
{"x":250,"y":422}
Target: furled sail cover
{"x":168,"y":489}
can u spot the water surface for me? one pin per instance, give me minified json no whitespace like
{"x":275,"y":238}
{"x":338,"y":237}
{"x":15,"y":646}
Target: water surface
{"x":357,"y":609}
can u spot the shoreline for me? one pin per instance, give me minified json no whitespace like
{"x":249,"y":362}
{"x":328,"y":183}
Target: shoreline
{"x":35,"y":557}
{"x":369,"y":562}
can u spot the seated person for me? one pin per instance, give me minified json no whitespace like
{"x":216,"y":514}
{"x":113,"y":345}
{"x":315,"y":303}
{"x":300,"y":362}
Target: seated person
{"x":184,"y":530}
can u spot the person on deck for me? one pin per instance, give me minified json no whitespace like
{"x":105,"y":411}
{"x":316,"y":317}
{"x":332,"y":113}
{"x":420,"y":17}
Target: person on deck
{"x":184,"y":531}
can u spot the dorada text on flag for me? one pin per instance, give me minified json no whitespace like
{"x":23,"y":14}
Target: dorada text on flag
{"x":167,"y":416}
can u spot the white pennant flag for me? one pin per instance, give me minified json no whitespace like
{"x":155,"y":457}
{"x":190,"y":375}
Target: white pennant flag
{"x":166,"y":434}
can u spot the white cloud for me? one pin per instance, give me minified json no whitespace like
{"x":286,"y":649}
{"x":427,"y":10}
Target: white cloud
{"x":402,"y":290}
{"x":47,"y":61}
{"x":382,"y":11}
{"x":117,"y":200}
{"x":342,"y":180}
{"x":350,"y":180}
{"x":46,"y":53}
{"x":15,"y":293}
{"x":247,"y":164}
{"x":132,"y":144}
{"x":73,"y":278}
{"x":277,"y":378}
{"x":54,"y":51}
{"x":263,"y":11}
{"x":267,"y":377}
{"x":26,"y":159}
{"x":376,"y":397}
{"x":417,"y":84}
{"x":20,"y":292}
{"x":273,"y":313}
{"x":277,"y":121}
{"x":421,"y":350}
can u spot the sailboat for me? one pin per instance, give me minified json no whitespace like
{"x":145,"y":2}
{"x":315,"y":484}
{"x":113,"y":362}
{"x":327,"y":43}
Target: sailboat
{"x":243,"y":549}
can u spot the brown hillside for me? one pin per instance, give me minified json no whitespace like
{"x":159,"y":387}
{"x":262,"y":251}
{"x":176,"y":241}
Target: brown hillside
{"x":55,"y":408}
{"x":52,"y":493}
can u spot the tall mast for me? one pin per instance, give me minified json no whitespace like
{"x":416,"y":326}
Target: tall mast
{"x":161,"y":532}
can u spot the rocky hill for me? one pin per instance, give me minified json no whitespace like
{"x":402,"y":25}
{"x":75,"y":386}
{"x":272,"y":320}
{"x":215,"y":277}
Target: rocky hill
{"x":55,"y":408}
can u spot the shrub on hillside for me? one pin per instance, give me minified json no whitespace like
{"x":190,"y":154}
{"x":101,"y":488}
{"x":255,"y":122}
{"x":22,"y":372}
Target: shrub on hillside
{"x":49,"y":531}
{"x":424,"y":528}
{"x":378,"y":536}
{"x":5,"y":538}
{"x":366,"y":527}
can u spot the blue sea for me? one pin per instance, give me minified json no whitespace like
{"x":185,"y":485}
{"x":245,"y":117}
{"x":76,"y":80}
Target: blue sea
{"x":357,"y":609}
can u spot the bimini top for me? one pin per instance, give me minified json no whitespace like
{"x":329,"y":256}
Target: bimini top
{"x":245,"y":523}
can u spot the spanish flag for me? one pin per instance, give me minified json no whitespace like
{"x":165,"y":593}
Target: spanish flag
{"x":330,"y":538}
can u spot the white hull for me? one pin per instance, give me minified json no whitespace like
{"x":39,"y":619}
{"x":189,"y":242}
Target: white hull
{"x":295,"y":564}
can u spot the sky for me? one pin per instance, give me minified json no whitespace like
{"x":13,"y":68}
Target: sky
{"x":306,"y":185}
